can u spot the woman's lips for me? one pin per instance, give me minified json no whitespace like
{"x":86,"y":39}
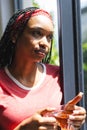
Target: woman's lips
{"x":41,"y":52}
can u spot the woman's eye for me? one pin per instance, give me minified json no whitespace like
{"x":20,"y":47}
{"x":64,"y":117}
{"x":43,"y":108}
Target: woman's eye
{"x":36,"y":34}
{"x":50,"y":37}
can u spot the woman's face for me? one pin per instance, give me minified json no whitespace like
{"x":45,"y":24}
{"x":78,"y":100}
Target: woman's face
{"x":35,"y":42}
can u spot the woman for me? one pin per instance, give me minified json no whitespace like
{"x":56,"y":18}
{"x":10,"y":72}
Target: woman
{"x":29,"y":88}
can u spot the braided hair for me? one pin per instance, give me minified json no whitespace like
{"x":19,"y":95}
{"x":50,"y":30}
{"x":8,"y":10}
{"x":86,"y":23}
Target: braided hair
{"x":14,"y":27}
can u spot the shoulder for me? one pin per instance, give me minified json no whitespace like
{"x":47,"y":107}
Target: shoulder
{"x":52,"y":69}
{"x":55,"y":72}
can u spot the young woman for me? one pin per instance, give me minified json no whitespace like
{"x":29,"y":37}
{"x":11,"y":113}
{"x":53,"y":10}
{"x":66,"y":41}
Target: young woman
{"x":29,"y":87}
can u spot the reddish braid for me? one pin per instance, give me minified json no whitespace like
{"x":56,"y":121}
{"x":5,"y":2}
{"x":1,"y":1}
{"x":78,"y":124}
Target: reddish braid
{"x":23,"y":18}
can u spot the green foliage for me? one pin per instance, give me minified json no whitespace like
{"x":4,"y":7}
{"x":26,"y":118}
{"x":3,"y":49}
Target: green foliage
{"x":55,"y":56}
{"x":85,"y":56}
{"x":84,"y":46}
{"x":35,"y":4}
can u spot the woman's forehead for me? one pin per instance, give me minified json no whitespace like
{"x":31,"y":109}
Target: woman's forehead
{"x":40,"y":21}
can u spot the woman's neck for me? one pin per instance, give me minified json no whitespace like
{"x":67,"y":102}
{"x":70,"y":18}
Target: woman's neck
{"x":28,"y":75}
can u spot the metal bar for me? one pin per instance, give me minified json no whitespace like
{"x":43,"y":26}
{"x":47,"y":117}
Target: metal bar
{"x":18,"y":4}
{"x":67,"y":49}
{"x":15,"y":5}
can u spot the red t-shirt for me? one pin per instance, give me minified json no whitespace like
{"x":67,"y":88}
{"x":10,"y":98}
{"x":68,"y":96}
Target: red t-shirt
{"x":17,"y":104}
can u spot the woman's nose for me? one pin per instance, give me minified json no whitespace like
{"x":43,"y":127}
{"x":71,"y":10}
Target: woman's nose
{"x":44,"y":42}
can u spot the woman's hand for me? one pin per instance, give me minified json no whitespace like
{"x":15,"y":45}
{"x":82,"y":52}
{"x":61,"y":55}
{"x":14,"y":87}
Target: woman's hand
{"x":78,"y":116}
{"x":38,"y":121}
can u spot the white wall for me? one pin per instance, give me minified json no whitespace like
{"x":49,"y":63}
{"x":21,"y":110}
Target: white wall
{"x":26,"y":3}
{"x":6,"y":11}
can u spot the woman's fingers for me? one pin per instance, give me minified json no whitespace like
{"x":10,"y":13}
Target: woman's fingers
{"x":78,"y":117}
{"x":44,"y":122}
{"x":79,"y":110}
{"x":75,"y":123}
{"x":71,"y":104}
{"x":78,"y":114}
{"x":45,"y":110}
{"x":76,"y":99}
{"x":47,"y":123}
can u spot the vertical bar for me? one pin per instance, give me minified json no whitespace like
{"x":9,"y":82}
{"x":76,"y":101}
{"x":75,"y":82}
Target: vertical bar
{"x":15,"y":5}
{"x":66,"y":45}
{"x":18,"y":4}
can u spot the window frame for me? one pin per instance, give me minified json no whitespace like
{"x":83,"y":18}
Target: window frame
{"x":70,"y":47}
